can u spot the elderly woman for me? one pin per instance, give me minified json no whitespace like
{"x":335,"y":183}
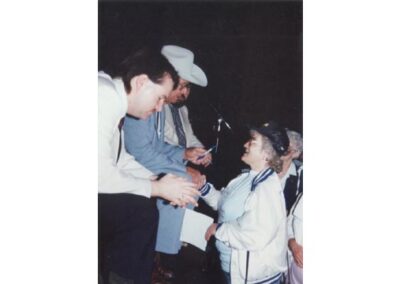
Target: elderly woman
{"x":251,"y":230}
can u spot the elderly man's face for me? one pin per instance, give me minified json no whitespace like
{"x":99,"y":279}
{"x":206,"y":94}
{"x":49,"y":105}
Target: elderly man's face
{"x":180,"y":94}
{"x":292,"y":153}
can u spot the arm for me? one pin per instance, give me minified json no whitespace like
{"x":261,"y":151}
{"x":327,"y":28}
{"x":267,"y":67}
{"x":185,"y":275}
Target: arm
{"x":196,"y":176}
{"x":297,"y":251}
{"x":210,"y":195}
{"x":111,"y":178}
{"x":191,"y":139}
{"x":295,"y":231}
{"x":142,"y":141}
{"x":263,"y":217}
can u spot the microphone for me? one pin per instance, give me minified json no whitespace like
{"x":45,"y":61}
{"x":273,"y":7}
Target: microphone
{"x":220,"y":119}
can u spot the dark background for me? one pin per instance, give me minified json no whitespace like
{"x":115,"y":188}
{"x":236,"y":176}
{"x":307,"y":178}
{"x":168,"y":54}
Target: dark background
{"x":251,"y":53}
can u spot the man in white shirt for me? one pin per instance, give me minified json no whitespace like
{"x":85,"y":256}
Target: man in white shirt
{"x":128,"y":218}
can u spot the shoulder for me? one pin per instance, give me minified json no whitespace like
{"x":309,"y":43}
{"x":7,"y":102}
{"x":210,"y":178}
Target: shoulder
{"x":298,"y":164}
{"x":108,"y":99}
{"x":271,"y":184}
{"x":105,"y":81}
{"x":134,"y":122}
{"x":106,"y":89}
{"x":235,"y":180}
{"x":183,"y":109}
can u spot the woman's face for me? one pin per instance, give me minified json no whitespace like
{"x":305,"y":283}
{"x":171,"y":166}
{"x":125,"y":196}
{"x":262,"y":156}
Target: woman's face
{"x":254,"y":154}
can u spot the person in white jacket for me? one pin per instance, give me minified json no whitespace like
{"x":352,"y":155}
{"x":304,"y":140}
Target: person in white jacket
{"x":251,"y":231}
{"x":295,"y":243}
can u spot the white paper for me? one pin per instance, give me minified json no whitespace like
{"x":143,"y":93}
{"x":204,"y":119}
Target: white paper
{"x":194,"y":228}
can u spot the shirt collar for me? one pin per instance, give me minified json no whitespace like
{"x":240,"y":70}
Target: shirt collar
{"x":292,"y":170}
{"x":119,"y":85}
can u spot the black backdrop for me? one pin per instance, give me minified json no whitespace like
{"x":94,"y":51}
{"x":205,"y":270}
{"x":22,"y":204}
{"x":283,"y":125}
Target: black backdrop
{"x":250,"y":51}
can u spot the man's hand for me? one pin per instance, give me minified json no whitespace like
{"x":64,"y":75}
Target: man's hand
{"x":192,"y":154}
{"x":211,"y":231}
{"x":297,"y":251}
{"x":175,"y":189}
{"x":197,"y":177}
{"x":206,"y":160}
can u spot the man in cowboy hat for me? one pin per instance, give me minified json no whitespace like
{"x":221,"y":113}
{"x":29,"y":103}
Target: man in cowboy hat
{"x":151,"y":150}
{"x":178,"y":130}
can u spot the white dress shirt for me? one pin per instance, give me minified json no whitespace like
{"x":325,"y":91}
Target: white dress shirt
{"x":126,"y":175}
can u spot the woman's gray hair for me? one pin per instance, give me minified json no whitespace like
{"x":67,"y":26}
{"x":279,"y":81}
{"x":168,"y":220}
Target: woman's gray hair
{"x":274,"y":160}
{"x":296,"y":141}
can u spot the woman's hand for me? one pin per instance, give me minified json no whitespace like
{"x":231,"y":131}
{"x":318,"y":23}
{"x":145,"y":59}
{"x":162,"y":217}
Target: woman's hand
{"x":211,"y":231}
{"x":297,"y":251}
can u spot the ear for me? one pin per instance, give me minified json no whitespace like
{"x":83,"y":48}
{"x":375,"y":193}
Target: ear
{"x":138,"y":81}
{"x":265,"y":155}
{"x":296,"y":154}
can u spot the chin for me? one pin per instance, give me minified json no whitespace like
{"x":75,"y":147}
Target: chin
{"x":179,"y":104}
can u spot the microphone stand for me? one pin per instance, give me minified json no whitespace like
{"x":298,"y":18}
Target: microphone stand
{"x":220,"y":120}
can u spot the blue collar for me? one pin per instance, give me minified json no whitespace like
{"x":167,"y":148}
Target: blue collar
{"x":263,"y":175}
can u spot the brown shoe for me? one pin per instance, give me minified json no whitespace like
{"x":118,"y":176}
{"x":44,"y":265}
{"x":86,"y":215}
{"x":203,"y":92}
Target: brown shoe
{"x":156,"y":277}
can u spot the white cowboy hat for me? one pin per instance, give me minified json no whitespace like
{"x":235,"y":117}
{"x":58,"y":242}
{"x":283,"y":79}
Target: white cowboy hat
{"x":182,"y":60}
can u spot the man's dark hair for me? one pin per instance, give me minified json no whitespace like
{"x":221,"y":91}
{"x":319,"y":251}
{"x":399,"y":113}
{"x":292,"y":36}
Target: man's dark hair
{"x":147,"y":61}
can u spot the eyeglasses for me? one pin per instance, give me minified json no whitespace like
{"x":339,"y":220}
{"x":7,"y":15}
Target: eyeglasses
{"x":183,"y":86}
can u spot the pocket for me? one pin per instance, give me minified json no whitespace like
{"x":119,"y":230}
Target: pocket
{"x":258,"y":268}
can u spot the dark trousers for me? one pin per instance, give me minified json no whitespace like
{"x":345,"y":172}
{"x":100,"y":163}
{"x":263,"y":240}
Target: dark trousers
{"x":127,"y":235}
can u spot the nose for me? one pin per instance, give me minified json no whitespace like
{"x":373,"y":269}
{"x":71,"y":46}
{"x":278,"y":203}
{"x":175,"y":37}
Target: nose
{"x":186,"y":92}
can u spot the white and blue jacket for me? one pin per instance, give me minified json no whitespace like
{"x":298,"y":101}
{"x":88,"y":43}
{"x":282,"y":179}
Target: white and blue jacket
{"x":259,"y":230}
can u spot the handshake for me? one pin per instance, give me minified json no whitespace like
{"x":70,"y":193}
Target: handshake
{"x":178,"y":191}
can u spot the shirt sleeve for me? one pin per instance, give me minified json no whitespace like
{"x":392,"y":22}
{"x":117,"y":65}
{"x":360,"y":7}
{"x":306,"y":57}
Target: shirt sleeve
{"x":294,"y":219}
{"x":191,"y":139}
{"x":264,"y":214}
{"x":210,"y":195}
{"x":131,"y":177}
{"x":141,"y":141}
